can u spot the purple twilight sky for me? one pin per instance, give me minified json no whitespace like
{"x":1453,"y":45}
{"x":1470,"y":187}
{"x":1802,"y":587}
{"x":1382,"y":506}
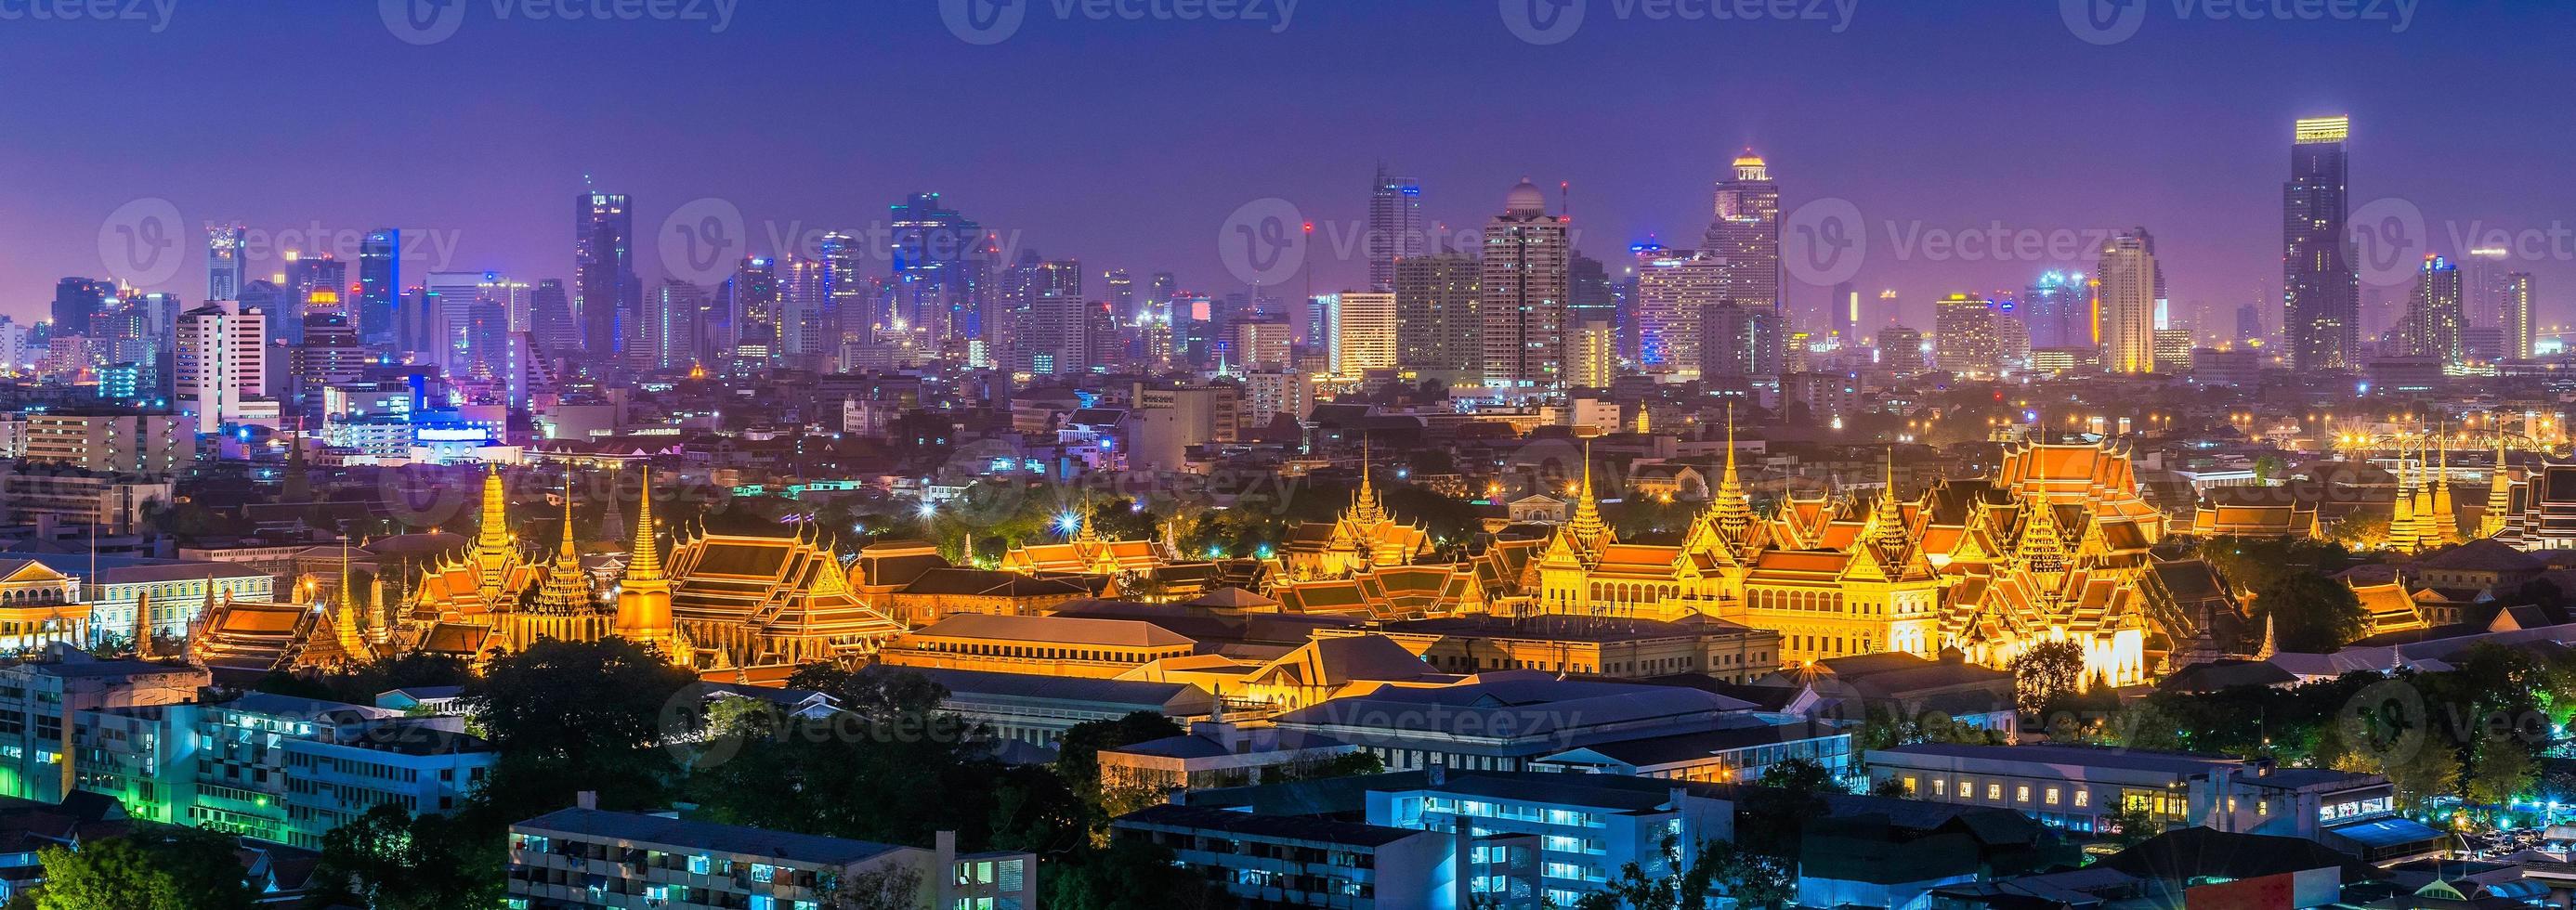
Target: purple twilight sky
{"x":1128,"y":142}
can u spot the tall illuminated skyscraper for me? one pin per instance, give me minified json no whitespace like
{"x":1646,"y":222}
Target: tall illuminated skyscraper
{"x":2128,"y":295}
{"x":941,"y":263}
{"x":1744,"y":234}
{"x":224,"y":275}
{"x":1364,"y":331}
{"x":605,"y":296}
{"x":379,"y":287}
{"x":2059,"y":310}
{"x":1522,"y":301}
{"x":1395,"y":229}
{"x":2320,"y":288}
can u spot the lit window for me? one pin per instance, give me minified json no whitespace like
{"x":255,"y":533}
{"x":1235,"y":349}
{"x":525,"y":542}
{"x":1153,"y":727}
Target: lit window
{"x":2083,"y":797}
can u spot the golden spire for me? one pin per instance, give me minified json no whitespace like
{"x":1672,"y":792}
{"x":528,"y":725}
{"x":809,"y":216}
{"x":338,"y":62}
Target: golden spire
{"x":1590,"y":533}
{"x":567,"y":553}
{"x":344,"y":621}
{"x":494,"y":536}
{"x":2499,"y":495}
{"x":1364,"y":508}
{"x":644,"y":558}
{"x":1083,"y":533}
{"x":1732,"y":512}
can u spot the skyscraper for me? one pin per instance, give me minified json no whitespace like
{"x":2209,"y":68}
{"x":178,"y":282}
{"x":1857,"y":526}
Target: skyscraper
{"x":2433,"y":315}
{"x":749,"y":336}
{"x":941,"y":263}
{"x":2128,"y":295}
{"x":2515,"y":316}
{"x":1395,"y":226}
{"x":1588,"y":297}
{"x":551,"y":323}
{"x":2484,"y":275}
{"x":1522,"y":302}
{"x":76,"y":300}
{"x":1745,"y":232}
{"x":2320,"y":288}
{"x":224,"y":261}
{"x":2059,"y":310}
{"x":379,"y":285}
{"x":605,"y":296}
{"x":1438,"y":333}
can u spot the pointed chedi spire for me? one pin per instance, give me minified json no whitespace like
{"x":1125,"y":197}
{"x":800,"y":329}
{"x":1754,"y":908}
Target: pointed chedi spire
{"x":1364,"y":506}
{"x":1589,"y":531}
{"x":344,"y":619}
{"x":2446,"y":519}
{"x":644,"y":555}
{"x":567,"y":587}
{"x":494,"y":535}
{"x":2499,"y":495}
{"x":644,"y":596}
{"x":1731,"y":514}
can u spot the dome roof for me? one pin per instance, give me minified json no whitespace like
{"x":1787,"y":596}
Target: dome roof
{"x":1525,"y":199}
{"x":1748,"y":159}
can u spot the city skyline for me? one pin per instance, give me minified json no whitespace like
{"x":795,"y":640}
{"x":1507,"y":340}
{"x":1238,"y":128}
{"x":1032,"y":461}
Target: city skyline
{"x":2208,"y":190}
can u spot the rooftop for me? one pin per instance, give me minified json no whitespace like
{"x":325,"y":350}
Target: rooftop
{"x":654,"y":829}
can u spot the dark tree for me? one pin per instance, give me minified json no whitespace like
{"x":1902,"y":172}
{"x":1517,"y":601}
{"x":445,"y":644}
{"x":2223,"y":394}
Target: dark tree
{"x":575,"y":716}
{"x":389,"y":859}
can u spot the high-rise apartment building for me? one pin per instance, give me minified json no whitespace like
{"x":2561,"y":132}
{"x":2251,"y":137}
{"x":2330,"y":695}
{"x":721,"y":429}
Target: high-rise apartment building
{"x":221,"y":363}
{"x":1395,"y":228}
{"x":2514,"y":316}
{"x":1438,"y":333}
{"x":1364,"y":336}
{"x":1900,"y":349}
{"x":2128,"y":300}
{"x":1674,"y":288}
{"x":2320,"y":287}
{"x":551,"y":321}
{"x":2434,"y":316}
{"x":1523,"y":295}
{"x":1964,"y":339}
{"x":2484,"y":275}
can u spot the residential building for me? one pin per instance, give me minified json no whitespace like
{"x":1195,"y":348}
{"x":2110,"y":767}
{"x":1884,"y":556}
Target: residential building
{"x":586,"y":857}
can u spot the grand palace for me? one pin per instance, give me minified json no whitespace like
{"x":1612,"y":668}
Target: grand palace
{"x":2054,"y":546}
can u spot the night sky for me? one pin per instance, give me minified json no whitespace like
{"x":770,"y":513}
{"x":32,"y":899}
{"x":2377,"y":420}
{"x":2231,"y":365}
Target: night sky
{"x":1127,"y":144}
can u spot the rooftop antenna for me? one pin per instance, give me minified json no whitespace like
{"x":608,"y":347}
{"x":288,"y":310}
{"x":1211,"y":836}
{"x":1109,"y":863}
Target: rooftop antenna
{"x":1565,"y":198}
